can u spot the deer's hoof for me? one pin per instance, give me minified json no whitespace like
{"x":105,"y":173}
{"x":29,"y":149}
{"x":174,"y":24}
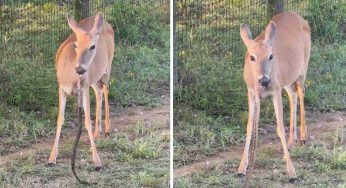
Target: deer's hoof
{"x":290,"y":143}
{"x":96,"y":136}
{"x":293,"y":180}
{"x":241,"y":175}
{"x":98,"y":168}
{"x":51,"y":164}
{"x":107,"y":134}
{"x":303,"y":142}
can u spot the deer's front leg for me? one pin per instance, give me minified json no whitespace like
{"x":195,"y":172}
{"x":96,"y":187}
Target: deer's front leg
{"x":277,"y":101}
{"x":60,"y":122}
{"x":86,"y":107}
{"x":254,"y":110}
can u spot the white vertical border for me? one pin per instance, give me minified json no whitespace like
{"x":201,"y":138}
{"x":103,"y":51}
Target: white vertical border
{"x":171,"y":177}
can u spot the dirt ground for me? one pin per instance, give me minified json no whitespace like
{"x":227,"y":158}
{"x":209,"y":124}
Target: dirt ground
{"x":130,"y":126}
{"x":325,"y":129}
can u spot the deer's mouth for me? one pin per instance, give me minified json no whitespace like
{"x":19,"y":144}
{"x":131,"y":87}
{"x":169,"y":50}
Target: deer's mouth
{"x":261,"y":87}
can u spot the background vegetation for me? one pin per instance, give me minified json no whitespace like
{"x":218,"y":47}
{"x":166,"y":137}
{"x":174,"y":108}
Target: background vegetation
{"x":210,"y":110}
{"x":30,"y":34}
{"x":137,"y":154}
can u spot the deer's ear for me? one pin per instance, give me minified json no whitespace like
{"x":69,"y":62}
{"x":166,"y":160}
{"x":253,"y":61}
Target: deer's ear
{"x":270,"y":33}
{"x":245,"y":34}
{"x":98,"y":24}
{"x":73,"y":24}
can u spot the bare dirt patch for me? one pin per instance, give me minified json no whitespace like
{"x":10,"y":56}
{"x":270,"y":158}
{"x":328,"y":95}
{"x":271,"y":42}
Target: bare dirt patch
{"x":121,"y":119}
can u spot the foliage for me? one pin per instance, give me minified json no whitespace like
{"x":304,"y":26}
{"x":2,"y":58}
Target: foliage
{"x":30,"y":36}
{"x":210,"y":96}
{"x":326,"y":20}
{"x":136,"y":24}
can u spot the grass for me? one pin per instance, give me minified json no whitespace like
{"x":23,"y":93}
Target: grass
{"x":28,"y":86}
{"x":317,"y":165}
{"x":219,"y":120}
{"x":127,"y":162}
{"x":210,"y":109}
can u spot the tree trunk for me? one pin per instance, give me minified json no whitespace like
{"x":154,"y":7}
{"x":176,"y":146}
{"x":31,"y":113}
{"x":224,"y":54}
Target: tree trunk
{"x":86,"y":8}
{"x":175,"y":62}
{"x":274,"y":7}
{"x":77,"y":10}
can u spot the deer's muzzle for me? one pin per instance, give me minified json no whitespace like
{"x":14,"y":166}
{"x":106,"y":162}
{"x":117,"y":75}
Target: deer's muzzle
{"x":264,"y":81}
{"x":80,"y":70}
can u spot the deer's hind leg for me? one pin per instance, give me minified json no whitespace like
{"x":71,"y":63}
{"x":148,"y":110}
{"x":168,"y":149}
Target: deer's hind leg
{"x":303,"y":130}
{"x":105,"y":89}
{"x":98,"y":114}
{"x":293,"y":98}
{"x":107,"y":113}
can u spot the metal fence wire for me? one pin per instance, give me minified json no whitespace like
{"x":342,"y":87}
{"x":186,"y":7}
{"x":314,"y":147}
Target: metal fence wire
{"x":36,"y":28}
{"x":211,"y":27}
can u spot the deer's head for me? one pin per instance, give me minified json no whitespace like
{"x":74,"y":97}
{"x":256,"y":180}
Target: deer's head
{"x":86,"y":43}
{"x":260,"y":55}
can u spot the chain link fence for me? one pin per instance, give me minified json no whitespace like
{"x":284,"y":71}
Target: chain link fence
{"x":211,"y":28}
{"x":209,"y":52}
{"x":33,"y":28}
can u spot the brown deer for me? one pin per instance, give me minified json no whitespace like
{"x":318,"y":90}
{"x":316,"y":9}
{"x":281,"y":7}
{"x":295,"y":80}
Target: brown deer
{"x":86,"y":54}
{"x":277,"y":59}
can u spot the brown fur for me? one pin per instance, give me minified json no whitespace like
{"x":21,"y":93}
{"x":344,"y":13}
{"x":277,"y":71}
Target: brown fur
{"x":91,"y":31}
{"x":287,"y":37}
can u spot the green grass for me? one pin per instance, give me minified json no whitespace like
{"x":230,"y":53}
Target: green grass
{"x":316,"y":166}
{"x":211,"y":76}
{"x":202,"y":136}
{"x":139,"y":162}
{"x":28,"y":86}
{"x":209,"y":117}
{"x":210,"y":109}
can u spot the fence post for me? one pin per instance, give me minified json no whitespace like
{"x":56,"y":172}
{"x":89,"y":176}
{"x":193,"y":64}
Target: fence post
{"x":85,"y":8}
{"x":175,"y":60}
{"x":77,"y":10}
{"x":274,"y":7}
{"x":81,"y":9}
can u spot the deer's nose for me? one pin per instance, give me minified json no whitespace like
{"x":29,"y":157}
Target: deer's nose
{"x":264,"y":81}
{"x":80,"y":70}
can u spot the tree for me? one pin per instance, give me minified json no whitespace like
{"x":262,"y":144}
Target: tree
{"x":274,"y":7}
{"x":81,"y":9}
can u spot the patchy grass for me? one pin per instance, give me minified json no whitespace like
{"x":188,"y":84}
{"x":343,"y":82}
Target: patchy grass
{"x":130,"y":158}
{"x":210,"y":112}
{"x":198,"y":134}
{"x":320,"y":164}
{"x":202,"y":136}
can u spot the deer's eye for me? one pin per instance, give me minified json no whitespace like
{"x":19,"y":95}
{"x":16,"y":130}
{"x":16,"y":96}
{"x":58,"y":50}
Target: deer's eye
{"x":74,"y":45}
{"x":271,"y":56}
{"x":92,"y":47}
{"x":252,"y":58}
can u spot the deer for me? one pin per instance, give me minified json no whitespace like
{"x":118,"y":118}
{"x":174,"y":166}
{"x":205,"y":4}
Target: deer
{"x":276,"y":59}
{"x":85,"y":56}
